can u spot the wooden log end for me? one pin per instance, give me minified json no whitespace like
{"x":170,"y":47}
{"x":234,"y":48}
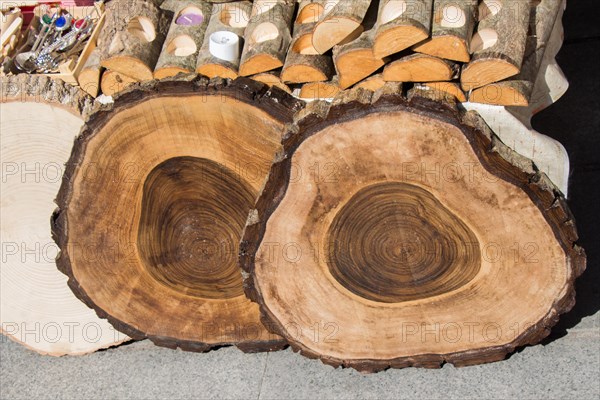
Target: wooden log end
{"x":372,"y":83}
{"x":484,"y":71}
{"x":397,"y":39}
{"x":41,"y":117}
{"x":328,"y":33}
{"x":89,"y":81}
{"x":319,"y":90}
{"x":271,"y":80}
{"x":301,"y":73}
{"x":419,"y":68}
{"x":114,"y":82}
{"x":451,"y":88}
{"x":259,"y":63}
{"x":217,"y":70}
{"x":129,"y":66}
{"x":510,"y":93}
{"x":448,"y":47}
{"x":356,"y":65}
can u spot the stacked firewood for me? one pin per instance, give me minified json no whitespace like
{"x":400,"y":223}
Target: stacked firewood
{"x":484,"y":51}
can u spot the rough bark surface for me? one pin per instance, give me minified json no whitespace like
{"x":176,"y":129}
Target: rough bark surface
{"x":303,"y":63}
{"x":135,"y":290}
{"x":516,"y":91}
{"x":501,"y":36}
{"x":232,"y":17}
{"x":170,"y":63}
{"x":452,"y":28}
{"x":132,"y":37}
{"x":263,"y":52}
{"x":506,"y":170}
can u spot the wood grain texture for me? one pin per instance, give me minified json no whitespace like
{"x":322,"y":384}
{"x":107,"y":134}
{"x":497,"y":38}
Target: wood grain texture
{"x":372,"y":83}
{"x":113,"y":82}
{"x":355,"y":61}
{"x":340,"y":22}
{"x":159,"y":216}
{"x":451,"y":31}
{"x":401,"y":24}
{"x":40,"y":119}
{"x":419,"y":67}
{"x":367,"y":142}
{"x":320,"y":90}
{"x":451,"y":88}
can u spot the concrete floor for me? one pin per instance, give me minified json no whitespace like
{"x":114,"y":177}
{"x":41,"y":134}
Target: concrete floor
{"x":565,"y":366}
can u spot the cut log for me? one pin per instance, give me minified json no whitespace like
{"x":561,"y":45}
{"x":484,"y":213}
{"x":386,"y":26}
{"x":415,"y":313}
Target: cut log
{"x":340,"y":22}
{"x":372,"y":83}
{"x":272,"y":78}
{"x":303,"y":63}
{"x":516,"y":91}
{"x":132,"y":37}
{"x":498,"y":45}
{"x":355,"y":61}
{"x":267,"y":37}
{"x":451,"y":88}
{"x":40,"y":119}
{"x":89,"y":77}
{"x":400,"y":249}
{"x":179,"y":163}
{"x":320,"y":90}
{"x":401,"y":24}
{"x":226,"y":18}
{"x":184,"y":40}
{"x":114,"y":82}
{"x":452,"y":28}
{"x":420,"y":68}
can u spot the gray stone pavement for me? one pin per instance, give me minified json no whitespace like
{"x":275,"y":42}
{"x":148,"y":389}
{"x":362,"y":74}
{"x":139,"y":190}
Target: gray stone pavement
{"x":565,"y":368}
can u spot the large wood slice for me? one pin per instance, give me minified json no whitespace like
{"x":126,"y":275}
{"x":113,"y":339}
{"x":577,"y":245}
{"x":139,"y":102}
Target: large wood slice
{"x":398,"y":232}
{"x":153,"y":204}
{"x":40,"y":118}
